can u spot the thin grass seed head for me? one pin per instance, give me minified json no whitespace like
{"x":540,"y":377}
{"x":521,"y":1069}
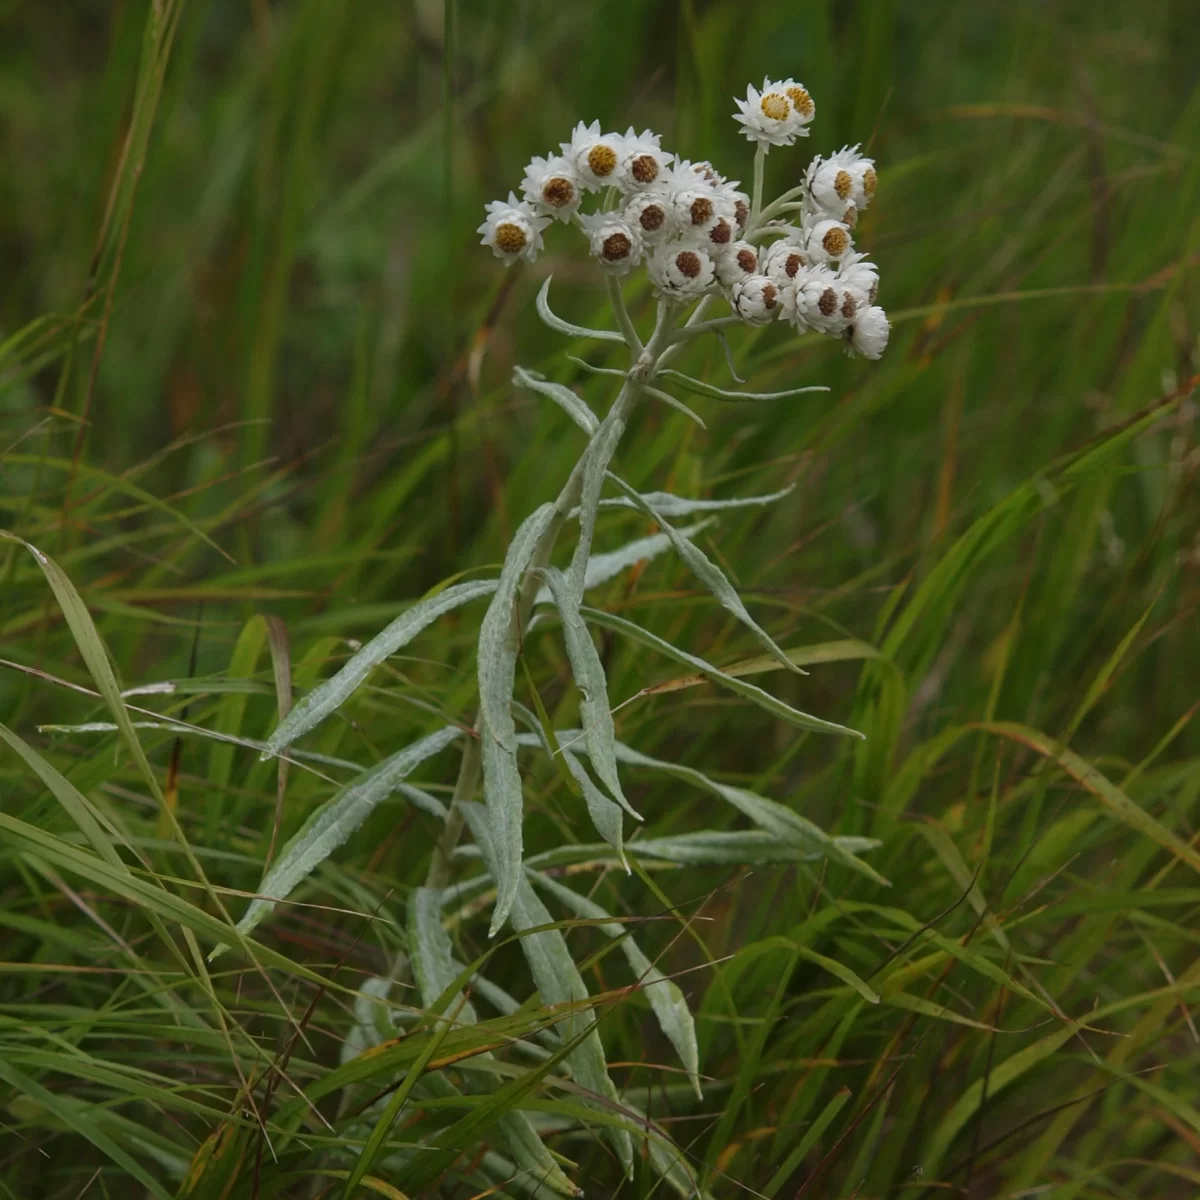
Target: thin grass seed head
{"x":694,"y":230}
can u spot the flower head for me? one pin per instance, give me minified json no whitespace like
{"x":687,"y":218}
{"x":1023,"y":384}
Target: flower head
{"x":652,"y":214}
{"x":867,"y":336}
{"x":613,"y":241}
{"x":817,"y":301}
{"x":513,"y":230}
{"x":757,"y":300}
{"x":595,"y":156}
{"x":827,"y":241}
{"x":782,"y":260}
{"x":739,"y":262}
{"x":552,"y":186}
{"x":645,"y":162}
{"x":682,"y":271}
{"x":769,"y":117}
{"x":857,"y":271}
{"x":843,"y":180}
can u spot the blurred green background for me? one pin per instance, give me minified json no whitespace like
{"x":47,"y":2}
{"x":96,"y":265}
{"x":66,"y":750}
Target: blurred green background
{"x":241,"y":295}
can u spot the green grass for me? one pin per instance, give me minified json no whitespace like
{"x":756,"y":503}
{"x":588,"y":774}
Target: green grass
{"x":252,"y":365}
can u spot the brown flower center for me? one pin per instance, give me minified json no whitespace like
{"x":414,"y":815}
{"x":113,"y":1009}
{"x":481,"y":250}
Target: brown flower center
{"x":768,"y":296}
{"x":835,"y":242}
{"x":775,"y":106}
{"x":721,"y":233}
{"x":849,"y":308}
{"x":828,"y":302}
{"x":741,"y":211}
{"x":558,"y":192}
{"x":850,"y":216}
{"x":748,"y":261}
{"x":617,"y":247}
{"x":687,"y":263}
{"x":802,"y":102}
{"x":602,"y":159}
{"x":511,"y":238}
{"x":644,"y":168}
{"x":701,"y":210}
{"x":792,"y":264}
{"x":652,"y":218}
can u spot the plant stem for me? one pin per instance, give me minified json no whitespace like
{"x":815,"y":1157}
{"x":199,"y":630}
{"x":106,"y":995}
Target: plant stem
{"x":760,"y":161}
{"x":617,"y":299}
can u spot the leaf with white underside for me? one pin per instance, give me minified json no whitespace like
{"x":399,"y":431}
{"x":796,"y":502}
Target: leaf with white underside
{"x":557,"y":979}
{"x":669,"y":505}
{"x":434,"y":970}
{"x":598,"y":455}
{"x":371,"y":1009}
{"x":598,"y":728}
{"x":561,"y":326}
{"x":605,"y":814}
{"x":717,"y":393}
{"x":334,"y":692}
{"x":749,"y":691}
{"x":706,"y":571}
{"x":332,"y":823}
{"x":497,"y":732}
{"x":666,"y":998}
{"x":566,"y":399}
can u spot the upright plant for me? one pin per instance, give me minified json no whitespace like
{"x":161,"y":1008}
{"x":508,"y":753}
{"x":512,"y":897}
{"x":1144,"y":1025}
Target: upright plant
{"x":702,"y":240}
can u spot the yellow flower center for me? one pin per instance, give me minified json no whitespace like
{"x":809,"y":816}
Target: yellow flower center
{"x":602,"y":159}
{"x":802,"y":102}
{"x":775,"y":105}
{"x":870,"y":181}
{"x":835,"y":242}
{"x":843,"y":184}
{"x":511,"y":238}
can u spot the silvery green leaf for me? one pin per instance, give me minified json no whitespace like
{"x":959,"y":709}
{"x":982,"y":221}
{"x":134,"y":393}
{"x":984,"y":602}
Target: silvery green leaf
{"x":332,"y":823}
{"x":777,"y":819}
{"x":434,"y":971}
{"x":587,"y":366}
{"x":371,"y":1010}
{"x":677,"y":405}
{"x":682,"y":506}
{"x":606,"y":816}
{"x":333,"y":693}
{"x":598,"y":455}
{"x":567,"y":400}
{"x":603,"y":567}
{"x":751,"y":692}
{"x":497,"y":733}
{"x":598,"y":728}
{"x":706,"y":571}
{"x":557,"y":323}
{"x":557,"y":980}
{"x":666,"y":999}
{"x":718,"y":393}
{"x":737,"y":848}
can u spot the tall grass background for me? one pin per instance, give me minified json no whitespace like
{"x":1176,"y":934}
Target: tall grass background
{"x":255,"y":401}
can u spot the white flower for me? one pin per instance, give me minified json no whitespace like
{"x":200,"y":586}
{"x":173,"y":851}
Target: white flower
{"x":552,"y":185}
{"x":802,"y":102}
{"x":613,"y":241}
{"x":827,"y":241}
{"x":652,"y":214}
{"x":682,"y":271}
{"x":841,"y":181}
{"x":757,"y":300}
{"x":781,"y":260}
{"x":867,"y":337}
{"x":741,"y":209}
{"x":719,"y":235}
{"x":739,"y":262}
{"x":684,"y":170}
{"x":857,"y":272}
{"x":513,"y":230}
{"x":645,"y":162}
{"x":769,"y":117}
{"x":595,"y":156}
{"x":817,"y":301}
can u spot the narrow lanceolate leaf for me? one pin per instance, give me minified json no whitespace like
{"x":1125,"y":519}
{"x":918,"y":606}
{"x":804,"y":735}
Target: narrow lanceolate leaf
{"x":598,"y":728}
{"x":677,"y":405}
{"x":599,"y":454}
{"x":334,"y":822}
{"x":603,"y":567}
{"x":669,"y":505}
{"x":718,"y":393}
{"x":434,"y":970}
{"x":557,"y":323}
{"x":707,"y":572}
{"x":566,"y":399}
{"x":776,"y":819}
{"x":557,"y":979}
{"x":666,"y":998}
{"x":335,"y":691}
{"x":497,"y":672}
{"x":606,"y":816}
{"x":747,"y":690}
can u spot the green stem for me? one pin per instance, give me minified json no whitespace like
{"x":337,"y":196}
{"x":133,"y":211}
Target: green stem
{"x":760,"y":161}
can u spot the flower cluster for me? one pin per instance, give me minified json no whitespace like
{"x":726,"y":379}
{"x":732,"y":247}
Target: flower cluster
{"x":699,"y":234}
